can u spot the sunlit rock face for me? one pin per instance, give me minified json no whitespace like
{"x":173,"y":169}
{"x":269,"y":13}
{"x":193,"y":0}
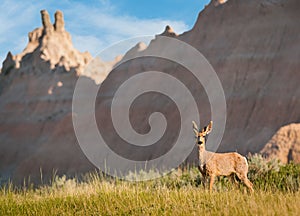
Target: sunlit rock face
{"x":36,"y":89}
{"x":253,"y":45}
{"x":254,"y":48}
{"x":219,"y":2}
{"x":284,"y":145}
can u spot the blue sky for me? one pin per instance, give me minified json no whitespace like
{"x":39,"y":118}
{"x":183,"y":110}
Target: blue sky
{"x":95,"y":24}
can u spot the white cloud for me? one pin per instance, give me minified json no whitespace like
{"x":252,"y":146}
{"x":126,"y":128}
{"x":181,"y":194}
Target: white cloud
{"x":16,"y":20}
{"x":131,"y":26}
{"x":108,"y":27}
{"x":92,"y":28}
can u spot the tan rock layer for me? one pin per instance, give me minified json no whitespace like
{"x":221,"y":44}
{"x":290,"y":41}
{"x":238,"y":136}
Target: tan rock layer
{"x":284,"y":145}
{"x":36,"y":89}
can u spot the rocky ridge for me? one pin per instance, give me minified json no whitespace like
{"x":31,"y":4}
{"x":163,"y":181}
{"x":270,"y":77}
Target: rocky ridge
{"x":36,"y":90}
{"x":253,"y":46}
{"x":284,"y":145}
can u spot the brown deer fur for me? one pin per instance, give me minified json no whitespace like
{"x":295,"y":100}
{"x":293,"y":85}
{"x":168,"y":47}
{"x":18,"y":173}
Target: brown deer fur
{"x":219,"y":164}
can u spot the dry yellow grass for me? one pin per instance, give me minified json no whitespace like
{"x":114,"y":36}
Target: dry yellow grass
{"x":171,"y":195}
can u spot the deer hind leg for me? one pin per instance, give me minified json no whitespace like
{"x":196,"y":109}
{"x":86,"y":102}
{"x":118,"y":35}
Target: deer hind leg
{"x":247,"y":182}
{"x":233,"y":179}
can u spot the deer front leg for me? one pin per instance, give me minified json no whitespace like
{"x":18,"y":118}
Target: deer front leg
{"x":211,"y":182}
{"x":204,"y":180}
{"x":204,"y":176}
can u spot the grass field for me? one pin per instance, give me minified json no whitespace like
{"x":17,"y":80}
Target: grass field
{"x":277,"y":192}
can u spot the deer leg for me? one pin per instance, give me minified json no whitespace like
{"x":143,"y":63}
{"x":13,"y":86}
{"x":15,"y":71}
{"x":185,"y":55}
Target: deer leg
{"x":204,"y":176}
{"x":249,"y":184}
{"x":246,"y":181}
{"x":204,"y":179}
{"x":233,"y":180}
{"x":211,"y":183}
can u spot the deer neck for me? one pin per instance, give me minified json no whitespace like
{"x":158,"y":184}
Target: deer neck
{"x":202,"y":155}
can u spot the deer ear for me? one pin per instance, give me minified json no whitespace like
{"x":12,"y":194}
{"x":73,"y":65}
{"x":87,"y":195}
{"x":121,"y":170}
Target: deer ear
{"x":195,"y":128}
{"x":195,"y":125}
{"x":195,"y":132}
{"x":209,"y":127}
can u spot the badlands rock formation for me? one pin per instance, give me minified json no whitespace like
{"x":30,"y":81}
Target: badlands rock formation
{"x":254,"y":47}
{"x":219,"y":2}
{"x":51,"y":44}
{"x":36,"y":89}
{"x":284,"y":145}
{"x":169,"y":32}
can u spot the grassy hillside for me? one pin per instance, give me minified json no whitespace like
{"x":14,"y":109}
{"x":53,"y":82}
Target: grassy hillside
{"x":277,"y":192}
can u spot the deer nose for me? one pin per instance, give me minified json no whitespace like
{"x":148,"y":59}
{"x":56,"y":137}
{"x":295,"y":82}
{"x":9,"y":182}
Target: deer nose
{"x":200,"y":142}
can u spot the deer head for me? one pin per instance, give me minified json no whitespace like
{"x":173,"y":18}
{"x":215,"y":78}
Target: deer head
{"x":201,"y":135}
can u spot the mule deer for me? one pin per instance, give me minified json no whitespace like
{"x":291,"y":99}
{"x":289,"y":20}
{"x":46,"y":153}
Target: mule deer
{"x":219,"y":164}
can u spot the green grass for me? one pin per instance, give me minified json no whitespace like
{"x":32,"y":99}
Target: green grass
{"x":277,"y":192}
